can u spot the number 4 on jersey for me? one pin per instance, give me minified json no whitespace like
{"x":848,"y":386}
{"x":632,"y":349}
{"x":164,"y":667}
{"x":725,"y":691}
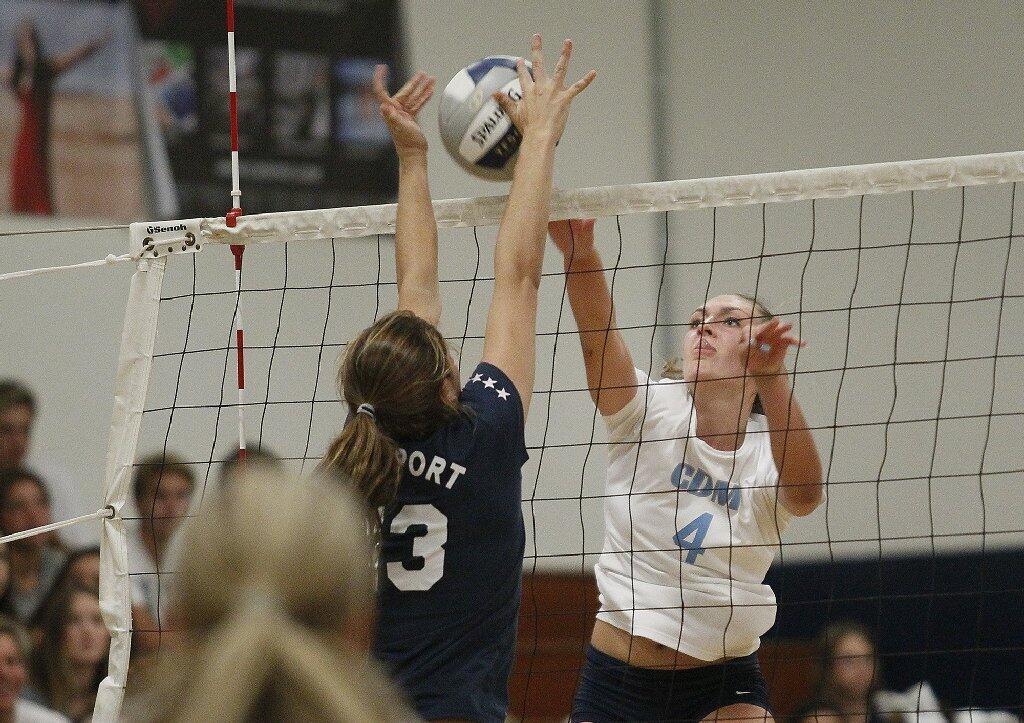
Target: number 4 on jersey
{"x":698,"y":528}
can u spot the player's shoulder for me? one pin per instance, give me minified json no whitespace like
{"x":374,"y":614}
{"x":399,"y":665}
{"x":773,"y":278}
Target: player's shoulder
{"x":666,"y":397}
{"x":490,"y":396}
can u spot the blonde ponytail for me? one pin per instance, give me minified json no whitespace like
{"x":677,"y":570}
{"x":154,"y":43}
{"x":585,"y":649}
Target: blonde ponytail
{"x":275,"y":592}
{"x":240,"y":654}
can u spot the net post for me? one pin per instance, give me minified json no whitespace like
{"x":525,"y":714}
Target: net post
{"x":135,"y":360}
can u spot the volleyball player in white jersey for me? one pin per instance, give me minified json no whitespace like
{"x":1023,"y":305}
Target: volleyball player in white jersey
{"x":699,"y":490}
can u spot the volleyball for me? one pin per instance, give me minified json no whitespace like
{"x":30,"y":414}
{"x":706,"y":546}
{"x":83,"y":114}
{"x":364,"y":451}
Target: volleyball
{"x":475,"y":130}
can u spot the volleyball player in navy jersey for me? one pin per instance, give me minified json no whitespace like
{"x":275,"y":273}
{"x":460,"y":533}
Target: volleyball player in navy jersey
{"x":440,"y":468}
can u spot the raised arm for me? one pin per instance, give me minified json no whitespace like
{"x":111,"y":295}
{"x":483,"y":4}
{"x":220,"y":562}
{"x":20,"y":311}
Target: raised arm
{"x":541,"y":114}
{"x":793,"y":449}
{"x":611,"y":375}
{"x":415,"y":227}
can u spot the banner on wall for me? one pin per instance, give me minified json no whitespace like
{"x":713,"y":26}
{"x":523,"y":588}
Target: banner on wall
{"x":70,"y":140}
{"x":310,"y":134}
{"x":118,"y":110}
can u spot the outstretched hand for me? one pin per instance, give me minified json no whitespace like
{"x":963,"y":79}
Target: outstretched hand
{"x":400,"y":110}
{"x":769,"y":344}
{"x":545,"y":102}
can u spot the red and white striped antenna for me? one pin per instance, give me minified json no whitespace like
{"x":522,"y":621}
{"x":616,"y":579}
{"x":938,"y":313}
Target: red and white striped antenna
{"x":231,"y":219}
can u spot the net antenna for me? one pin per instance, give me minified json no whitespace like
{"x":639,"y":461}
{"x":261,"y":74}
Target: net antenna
{"x":231,"y":220}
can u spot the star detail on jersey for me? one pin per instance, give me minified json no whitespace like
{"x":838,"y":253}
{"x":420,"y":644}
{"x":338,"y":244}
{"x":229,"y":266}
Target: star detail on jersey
{"x":490,"y":383}
{"x":477,"y":378}
{"x":502,"y":394}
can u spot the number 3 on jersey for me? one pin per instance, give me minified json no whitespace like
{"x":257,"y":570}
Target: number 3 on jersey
{"x":698,"y":528}
{"x":429,"y":530}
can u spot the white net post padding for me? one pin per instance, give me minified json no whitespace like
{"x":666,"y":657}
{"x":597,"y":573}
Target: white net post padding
{"x":133,"y":368}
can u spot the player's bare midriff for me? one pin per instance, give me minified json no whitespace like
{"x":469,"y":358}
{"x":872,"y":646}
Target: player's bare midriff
{"x":641,"y":652}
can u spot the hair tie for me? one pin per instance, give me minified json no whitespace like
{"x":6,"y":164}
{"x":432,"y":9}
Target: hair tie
{"x":368,"y":410}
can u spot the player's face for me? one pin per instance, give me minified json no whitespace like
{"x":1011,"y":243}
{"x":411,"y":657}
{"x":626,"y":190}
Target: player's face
{"x":716,"y":342}
{"x":12,"y":673}
{"x":85,"y":637}
{"x":854,"y":668}
{"x":15,"y":430}
{"x":26,"y":508}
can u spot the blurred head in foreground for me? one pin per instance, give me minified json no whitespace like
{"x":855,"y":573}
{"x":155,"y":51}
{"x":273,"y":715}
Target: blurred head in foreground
{"x":275,"y":595}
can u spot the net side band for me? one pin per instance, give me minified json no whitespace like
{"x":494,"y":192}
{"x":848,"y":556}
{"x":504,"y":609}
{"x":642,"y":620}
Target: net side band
{"x":779,"y":187}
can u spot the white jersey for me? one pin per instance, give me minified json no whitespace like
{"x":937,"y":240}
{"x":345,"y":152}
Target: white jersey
{"x":690,"y":531}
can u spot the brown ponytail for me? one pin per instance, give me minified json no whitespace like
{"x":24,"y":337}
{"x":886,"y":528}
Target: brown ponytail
{"x":401,"y":367}
{"x":367,"y":456}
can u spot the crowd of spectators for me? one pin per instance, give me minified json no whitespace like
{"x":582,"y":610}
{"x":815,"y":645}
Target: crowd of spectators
{"x":53,"y":640}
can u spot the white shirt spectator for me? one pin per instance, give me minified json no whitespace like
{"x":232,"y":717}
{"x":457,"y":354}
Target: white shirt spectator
{"x":25,"y":711}
{"x":150,"y":588}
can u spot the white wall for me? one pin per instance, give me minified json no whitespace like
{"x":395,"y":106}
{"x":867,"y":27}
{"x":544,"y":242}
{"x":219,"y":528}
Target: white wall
{"x":768,"y":86}
{"x":753,"y":88}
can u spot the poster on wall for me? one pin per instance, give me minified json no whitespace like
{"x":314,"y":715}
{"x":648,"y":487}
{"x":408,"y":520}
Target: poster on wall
{"x":309,"y":132}
{"x":70,"y":142}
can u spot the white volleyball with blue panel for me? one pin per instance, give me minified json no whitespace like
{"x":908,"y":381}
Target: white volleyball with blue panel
{"x":474,"y":128}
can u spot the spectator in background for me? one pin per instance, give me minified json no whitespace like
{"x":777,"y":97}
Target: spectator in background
{"x":71,"y":659}
{"x":82,"y":570}
{"x":276,"y":599}
{"x":17,"y":416}
{"x":35,"y":561}
{"x":17,"y":413}
{"x":14,"y":652}
{"x":849,"y":676}
{"x":162,"y":488}
{"x":257,"y":462}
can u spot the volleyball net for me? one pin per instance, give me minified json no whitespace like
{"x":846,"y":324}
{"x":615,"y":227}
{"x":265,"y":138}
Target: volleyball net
{"x":904,"y":278}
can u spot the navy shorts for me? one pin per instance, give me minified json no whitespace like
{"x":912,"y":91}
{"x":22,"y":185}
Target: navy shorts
{"x":611,"y":690}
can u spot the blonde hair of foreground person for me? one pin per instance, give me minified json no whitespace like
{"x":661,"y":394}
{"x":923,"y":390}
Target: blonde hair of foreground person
{"x":275,"y":595}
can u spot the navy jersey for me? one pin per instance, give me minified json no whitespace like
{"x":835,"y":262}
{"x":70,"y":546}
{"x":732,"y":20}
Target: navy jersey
{"x":451,"y":558}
